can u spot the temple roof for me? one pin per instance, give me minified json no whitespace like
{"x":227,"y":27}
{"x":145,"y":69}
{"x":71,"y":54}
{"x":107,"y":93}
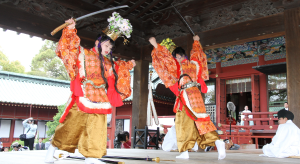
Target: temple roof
{"x":27,"y":89}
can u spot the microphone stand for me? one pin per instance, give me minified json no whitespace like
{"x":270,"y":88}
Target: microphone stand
{"x":230,"y":124}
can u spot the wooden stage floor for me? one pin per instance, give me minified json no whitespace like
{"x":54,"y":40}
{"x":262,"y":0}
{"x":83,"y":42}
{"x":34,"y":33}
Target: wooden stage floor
{"x":233,"y":157}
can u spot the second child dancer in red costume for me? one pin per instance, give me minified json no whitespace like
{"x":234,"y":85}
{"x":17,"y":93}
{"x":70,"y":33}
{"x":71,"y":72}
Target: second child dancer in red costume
{"x":183,"y":77}
{"x":97,"y":84}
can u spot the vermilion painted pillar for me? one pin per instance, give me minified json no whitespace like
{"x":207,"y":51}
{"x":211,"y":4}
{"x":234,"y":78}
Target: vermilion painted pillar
{"x":12,"y":130}
{"x":221,"y":100}
{"x":220,"y":96}
{"x":255,"y":93}
{"x":263,"y":91}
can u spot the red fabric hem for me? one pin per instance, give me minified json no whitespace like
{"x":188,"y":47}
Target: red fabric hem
{"x":66,"y":112}
{"x":203,"y":119}
{"x":178,"y":68}
{"x":91,"y":110}
{"x":174,"y":89}
{"x":113,"y":96}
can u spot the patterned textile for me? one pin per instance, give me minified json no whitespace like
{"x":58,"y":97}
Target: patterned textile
{"x":190,"y":69}
{"x":198,"y":54}
{"x":205,"y":126}
{"x":84,"y":65}
{"x":93,"y":73}
{"x":195,"y":100}
{"x":124,"y":78}
{"x":164,"y":65}
{"x":67,"y":50}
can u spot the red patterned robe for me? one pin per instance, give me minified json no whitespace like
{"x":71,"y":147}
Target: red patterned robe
{"x":169,"y":71}
{"x":87,"y":85}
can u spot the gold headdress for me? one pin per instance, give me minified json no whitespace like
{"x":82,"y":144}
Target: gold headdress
{"x":169,"y":44}
{"x":117,"y":27}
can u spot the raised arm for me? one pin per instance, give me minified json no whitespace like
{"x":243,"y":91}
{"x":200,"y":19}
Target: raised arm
{"x":25,"y":122}
{"x":68,"y":49}
{"x":164,"y":64}
{"x":199,"y":56}
{"x":124,"y":78}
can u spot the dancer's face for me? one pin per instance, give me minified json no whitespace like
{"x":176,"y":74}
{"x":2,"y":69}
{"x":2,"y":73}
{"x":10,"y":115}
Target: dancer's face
{"x":106,"y":47}
{"x":179,"y":58}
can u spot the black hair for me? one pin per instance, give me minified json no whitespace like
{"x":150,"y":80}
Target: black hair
{"x":286,"y":102}
{"x":102,"y":38}
{"x":285,"y":114}
{"x":126,"y":134}
{"x":289,"y":115}
{"x":178,"y":50}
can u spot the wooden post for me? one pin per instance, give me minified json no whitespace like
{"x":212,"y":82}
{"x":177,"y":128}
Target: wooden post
{"x":255,"y":93}
{"x":140,"y":95}
{"x":12,"y":130}
{"x":221,"y":100}
{"x":292,"y":31}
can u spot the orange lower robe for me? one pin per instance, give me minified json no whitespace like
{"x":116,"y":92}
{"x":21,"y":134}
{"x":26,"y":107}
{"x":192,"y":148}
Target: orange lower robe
{"x":84,"y":121}
{"x":188,"y":129}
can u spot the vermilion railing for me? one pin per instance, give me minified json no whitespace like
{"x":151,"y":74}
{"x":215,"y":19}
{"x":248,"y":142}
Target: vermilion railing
{"x":242,"y":131}
{"x":262,"y":123}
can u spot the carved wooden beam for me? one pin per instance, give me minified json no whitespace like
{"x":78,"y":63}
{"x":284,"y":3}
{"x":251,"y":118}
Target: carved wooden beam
{"x":108,"y":3}
{"x":149,"y":7}
{"x":135,"y":6}
{"x":261,"y":28}
{"x":78,"y":5}
{"x":124,"y":2}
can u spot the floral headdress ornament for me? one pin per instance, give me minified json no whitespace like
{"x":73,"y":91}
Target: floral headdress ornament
{"x":169,"y":44}
{"x":118,"y":26}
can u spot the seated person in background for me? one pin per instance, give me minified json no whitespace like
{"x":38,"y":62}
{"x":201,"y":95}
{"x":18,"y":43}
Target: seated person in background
{"x":40,"y":145}
{"x":127,"y":143}
{"x":249,"y":116}
{"x":286,"y":141}
{"x":6,"y":149}
{"x":238,"y":121}
{"x":230,"y":145}
{"x":18,"y":147}
{"x":233,"y":122}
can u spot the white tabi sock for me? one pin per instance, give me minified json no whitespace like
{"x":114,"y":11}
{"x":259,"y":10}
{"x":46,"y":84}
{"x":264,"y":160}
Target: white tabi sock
{"x":50,"y":154}
{"x":93,"y":161}
{"x":184,"y":155}
{"x":221,"y":149}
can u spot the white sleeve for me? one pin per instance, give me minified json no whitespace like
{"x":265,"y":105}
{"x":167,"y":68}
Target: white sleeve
{"x":25,"y":124}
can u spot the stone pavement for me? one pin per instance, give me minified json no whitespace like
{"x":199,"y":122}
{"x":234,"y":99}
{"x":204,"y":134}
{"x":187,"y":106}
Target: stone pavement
{"x":233,"y":157}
